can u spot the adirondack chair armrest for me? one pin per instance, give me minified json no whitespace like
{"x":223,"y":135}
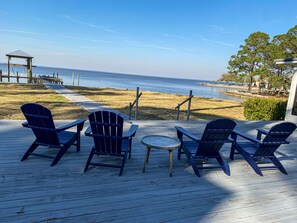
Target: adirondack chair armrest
{"x":260,"y":132}
{"x":79,"y":123}
{"x":131,"y":133}
{"x":236,"y":132}
{"x":181,"y":130}
{"x":230,"y":139}
{"x":88,"y":131}
{"x":25,"y":124}
{"x":263,"y":131}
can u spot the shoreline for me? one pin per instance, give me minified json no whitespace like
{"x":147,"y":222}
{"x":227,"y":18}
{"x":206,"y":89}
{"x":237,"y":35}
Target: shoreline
{"x":226,"y":86}
{"x":242,"y":92}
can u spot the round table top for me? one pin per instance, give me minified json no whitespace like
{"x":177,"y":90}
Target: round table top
{"x":160,"y":142}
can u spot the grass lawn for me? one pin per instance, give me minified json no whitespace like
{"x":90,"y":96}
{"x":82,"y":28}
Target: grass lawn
{"x":160,"y":106}
{"x":12,"y":96}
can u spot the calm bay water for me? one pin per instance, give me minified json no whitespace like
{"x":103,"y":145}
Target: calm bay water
{"x":126,"y":81}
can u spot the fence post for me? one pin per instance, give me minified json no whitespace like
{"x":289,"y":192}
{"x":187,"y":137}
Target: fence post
{"x":177,"y":115}
{"x":72,"y":78}
{"x":130,"y":110}
{"x":136,"y":105}
{"x":189,"y":106}
{"x":17,"y":76}
{"x":78,"y":76}
{"x":0,"y":75}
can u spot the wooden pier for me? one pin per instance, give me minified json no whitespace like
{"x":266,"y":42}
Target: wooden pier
{"x":36,"y":79}
{"x":51,"y":79}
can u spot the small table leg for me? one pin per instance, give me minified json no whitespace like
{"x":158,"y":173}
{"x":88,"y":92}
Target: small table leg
{"x":148,"y":150}
{"x":170,"y":162}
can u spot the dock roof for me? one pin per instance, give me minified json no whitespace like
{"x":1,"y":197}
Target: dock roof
{"x":19,"y":54}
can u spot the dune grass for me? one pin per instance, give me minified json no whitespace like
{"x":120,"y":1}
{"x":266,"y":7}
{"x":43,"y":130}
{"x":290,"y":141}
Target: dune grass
{"x":13,"y":95}
{"x":160,"y":106}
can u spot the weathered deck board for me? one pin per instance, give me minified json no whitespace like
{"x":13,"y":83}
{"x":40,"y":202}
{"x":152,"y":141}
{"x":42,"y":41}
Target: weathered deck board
{"x":32,"y":191}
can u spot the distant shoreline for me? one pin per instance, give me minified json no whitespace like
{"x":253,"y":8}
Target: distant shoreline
{"x":226,"y":86}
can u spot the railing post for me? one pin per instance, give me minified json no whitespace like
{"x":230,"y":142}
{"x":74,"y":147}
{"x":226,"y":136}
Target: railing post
{"x":189,"y":105}
{"x":17,"y":76}
{"x":72,"y":78}
{"x":0,"y":75}
{"x":177,"y":115}
{"x":130,"y":110}
{"x":136,"y":105}
{"x":8,"y":70}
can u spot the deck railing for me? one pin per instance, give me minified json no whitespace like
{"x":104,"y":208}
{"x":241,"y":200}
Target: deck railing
{"x":138,"y":95}
{"x":189,"y":99}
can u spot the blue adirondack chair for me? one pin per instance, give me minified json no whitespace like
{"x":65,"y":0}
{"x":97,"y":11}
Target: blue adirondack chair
{"x":197,"y":151}
{"x":106,"y":128}
{"x":40,"y":120}
{"x":254,"y":150}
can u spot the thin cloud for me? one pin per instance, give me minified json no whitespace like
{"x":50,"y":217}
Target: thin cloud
{"x":219,"y":29}
{"x":57,"y":53}
{"x":136,"y":44}
{"x":21,"y":31}
{"x":68,"y":37}
{"x":71,"y":19}
{"x":190,"y":54}
{"x":158,"y":47}
{"x":174,"y":36}
{"x":217,"y":42}
{"x":104,"y":41}
{"x":139,"y":44}
{"x":39,"y":19}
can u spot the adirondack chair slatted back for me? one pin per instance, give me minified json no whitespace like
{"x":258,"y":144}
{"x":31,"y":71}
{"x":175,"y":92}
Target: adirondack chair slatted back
{"x":41,"y":122}
{"x":107,"y":130}
{"x":216,"y":133}
{"x":276,"y":136}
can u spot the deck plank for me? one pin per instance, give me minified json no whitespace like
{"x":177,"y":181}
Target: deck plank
{"x":32,"y":191}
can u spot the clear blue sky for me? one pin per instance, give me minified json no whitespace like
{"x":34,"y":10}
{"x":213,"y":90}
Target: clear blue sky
{"x":171,"y":38}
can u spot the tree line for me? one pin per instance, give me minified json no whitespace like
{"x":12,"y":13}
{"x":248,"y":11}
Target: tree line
{"x":255,"y":59}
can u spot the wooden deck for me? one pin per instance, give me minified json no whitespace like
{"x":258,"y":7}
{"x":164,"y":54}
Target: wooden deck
{"x":32,"y":191}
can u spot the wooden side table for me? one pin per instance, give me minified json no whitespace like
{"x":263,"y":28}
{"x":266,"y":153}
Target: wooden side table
{"x":162,"y":143}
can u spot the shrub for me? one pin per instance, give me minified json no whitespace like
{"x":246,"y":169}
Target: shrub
{"x":264,"y":109}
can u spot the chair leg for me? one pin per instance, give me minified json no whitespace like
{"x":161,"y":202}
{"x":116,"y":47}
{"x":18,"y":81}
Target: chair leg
{"x":278,"y":164}
{"x":232,"y":151}
{"x":179,"y":153}
{"x":29,"y":151}
{"x":252,"y":163}
{"x":224,"y":165}
{"x":78,"y":142}
{"x":194,"y":166}
{"x":192,"y":162}
{"x":89,"y":159}
{"x":123,"y":165}
{"x":62,"y":151}
{"x":130,"y":148}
